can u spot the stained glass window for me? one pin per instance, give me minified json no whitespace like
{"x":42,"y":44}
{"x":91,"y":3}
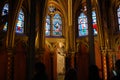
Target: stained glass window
{"x":118,"y":14}
{"x":53,"y":25}
{"x":94,"y":22}
{"x":47,"y":28}
{"x":20,"y":20}
{"x":83,"y":24}
{"x":57,"y":25}
{"x":5,"y":12}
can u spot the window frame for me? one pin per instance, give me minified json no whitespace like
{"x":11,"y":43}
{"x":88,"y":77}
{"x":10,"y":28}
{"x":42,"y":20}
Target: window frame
{"x":85,"y":12}
{"x":62,"y":21}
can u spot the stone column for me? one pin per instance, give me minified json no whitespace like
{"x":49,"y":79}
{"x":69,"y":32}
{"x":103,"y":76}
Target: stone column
{"x":90,"y":33}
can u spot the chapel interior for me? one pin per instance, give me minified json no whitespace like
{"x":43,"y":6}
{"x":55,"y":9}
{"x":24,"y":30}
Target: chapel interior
{"x":61,"y":34}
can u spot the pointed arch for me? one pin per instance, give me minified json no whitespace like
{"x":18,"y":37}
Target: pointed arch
{"x":54,"y":22}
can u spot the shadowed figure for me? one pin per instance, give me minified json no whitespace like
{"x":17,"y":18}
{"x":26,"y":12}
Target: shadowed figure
{"x":116,"y":72}
{"x":40,"y":72}
{"x":71,"y":74}
{"x":94,"y":73}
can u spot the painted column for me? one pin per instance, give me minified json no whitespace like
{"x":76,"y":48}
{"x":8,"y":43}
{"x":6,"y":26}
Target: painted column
{"x":71,"y":34}
{"x":104,"y":64}
{"x":52,"y":65}
{"x":10,"y":65}
{"x":110,"y":63}
{"x":13,"y":14}
{"x":40,"y":38}
{"x":90,"y":33}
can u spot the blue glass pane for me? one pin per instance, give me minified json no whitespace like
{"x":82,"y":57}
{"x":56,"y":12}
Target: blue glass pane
{"x":20,"y":22}
{"x":93,"y":13}
{"x":118,"y":20}
{"x":57,"y":25}
{"x":47,"y":33}
{"x":94,"y":19}
{"x":83,"y":32}
{"x":83,"y":26}
{"x":118,"y":14}
{"x":47,"y":28}
{"x":5,"y":10}
{"x":118,"y":9}
{"x":82,"y":15}
{"x":57,"y":16}
{"x":82,"y":20}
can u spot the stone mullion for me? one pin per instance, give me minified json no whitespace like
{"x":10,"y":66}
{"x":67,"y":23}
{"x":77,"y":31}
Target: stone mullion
{"x":51,"y":24}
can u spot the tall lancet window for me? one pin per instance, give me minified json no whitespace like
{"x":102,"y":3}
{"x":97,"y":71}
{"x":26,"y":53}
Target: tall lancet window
{"x":118,"y":14}
{"x":57,"y":25}
{"x":47,"y":28}
{"x":53,"y":25}
{"x":20,"y":20}
{"x":83,"y":24}
{"x":4,"y":13}
{"x":94,"y":23}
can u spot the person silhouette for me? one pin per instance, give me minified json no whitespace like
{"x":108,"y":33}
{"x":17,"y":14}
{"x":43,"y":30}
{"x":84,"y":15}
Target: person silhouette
{"x":116,"y":72}
{"x":40,"y":73}
{"x":71,"y":74}
{"x":94,"y":73}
